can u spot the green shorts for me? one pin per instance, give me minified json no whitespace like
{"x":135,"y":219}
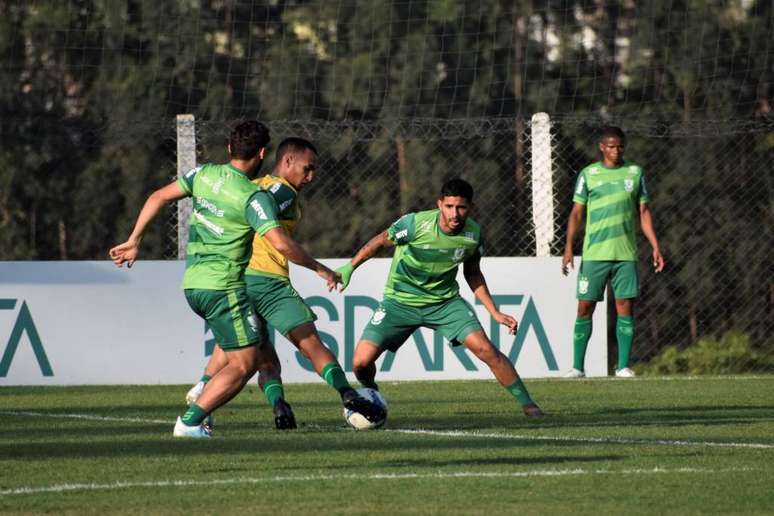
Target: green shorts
{"x":229,"y":314}
{"x":393,"y":322}
{"x":277,"y":302}
{"x":594,"y":275}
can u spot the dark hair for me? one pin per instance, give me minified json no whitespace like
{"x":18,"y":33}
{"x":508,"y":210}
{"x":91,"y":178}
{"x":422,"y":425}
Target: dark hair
{"x":612,"y":131}
{"x":292,"y":145}
{"x":457,"y":188}
{"x":247,"y":138}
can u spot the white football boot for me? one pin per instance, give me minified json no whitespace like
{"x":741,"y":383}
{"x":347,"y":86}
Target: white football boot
{"x":574,"y":373}
{"x":625,"y":373}
{"x":183,"y":430}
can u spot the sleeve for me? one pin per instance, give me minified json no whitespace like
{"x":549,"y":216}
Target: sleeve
{"x":644,"y":197}
{"x":186,"y":181}
{"x":283,"y":195}
{"x":261,"y":212}
{"x":479,"y":251}
{"x":401,"y":232}
{"x":581,"y":193}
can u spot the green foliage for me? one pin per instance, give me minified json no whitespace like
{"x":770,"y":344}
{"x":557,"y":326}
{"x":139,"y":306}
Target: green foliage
{"x":731,"y":353}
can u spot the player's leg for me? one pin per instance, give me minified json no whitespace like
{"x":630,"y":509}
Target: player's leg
{"x":389,"y":327}
{"x":456,"y":320}
{"x":479,"y":344}
{"x":626,"y":287}
{"x":364,"y":363}
{"x":216,"y":362}
{"x":592,"y":280}
{"x":234,"y":325}
{"x":270,"y":382}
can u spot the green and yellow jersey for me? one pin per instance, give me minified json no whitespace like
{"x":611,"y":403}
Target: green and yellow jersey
{"x":227,"y":210}
{"x":612,"y":197}
{"x":265,"y":259}
{"x":424,"y":266}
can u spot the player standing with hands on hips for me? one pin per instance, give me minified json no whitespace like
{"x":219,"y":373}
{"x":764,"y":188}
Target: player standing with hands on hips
{"x":609,"y":193}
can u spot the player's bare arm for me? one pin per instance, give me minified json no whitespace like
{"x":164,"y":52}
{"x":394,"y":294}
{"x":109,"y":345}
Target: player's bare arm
{"x":646,"y":222}
{"x":365,"y":253}
{"x":471,"y":269}
{"x":573,"y":223}
{"x":128,"y":251}
{"x":292,"y":250}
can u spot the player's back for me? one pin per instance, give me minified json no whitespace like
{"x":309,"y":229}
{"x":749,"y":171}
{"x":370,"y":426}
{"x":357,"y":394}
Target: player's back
{"x":424,"y":266}
{"x":265,"y":258}
{"x":220,"y":234}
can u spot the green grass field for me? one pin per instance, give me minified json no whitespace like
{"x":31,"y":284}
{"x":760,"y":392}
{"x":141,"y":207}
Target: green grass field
{"x":645,"y":445}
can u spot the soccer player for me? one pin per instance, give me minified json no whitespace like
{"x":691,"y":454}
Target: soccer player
{"x":422,"y":290}
{"x":609,"y":192}
{"x":227,"y":209}
{"x":274,"y":298}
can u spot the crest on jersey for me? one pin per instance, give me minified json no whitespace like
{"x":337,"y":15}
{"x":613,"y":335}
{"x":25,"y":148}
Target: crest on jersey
{"x":378,"y":317}
{"x":459,"y":254}
{"x":583,"y":285}
{"x":629,"y":184}
{"x":253,"y":322}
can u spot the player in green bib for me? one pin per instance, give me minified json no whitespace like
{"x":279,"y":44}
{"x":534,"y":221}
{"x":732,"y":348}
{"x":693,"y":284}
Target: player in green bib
{"x":609,"y":193}
{"x":422,"y":289}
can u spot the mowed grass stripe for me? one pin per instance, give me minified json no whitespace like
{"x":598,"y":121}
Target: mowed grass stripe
{"x":360,"y":477}
{"x":438,"y":433}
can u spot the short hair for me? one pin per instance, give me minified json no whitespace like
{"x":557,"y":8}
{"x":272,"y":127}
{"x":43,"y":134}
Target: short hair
{"x":293,"y":145}
{"x":612,"y":131}
{"x":457,"y":188}
{"x":247,"y":138}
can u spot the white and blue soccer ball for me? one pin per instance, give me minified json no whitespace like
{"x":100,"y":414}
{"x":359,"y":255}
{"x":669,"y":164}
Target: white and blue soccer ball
{"x":357,"y":421}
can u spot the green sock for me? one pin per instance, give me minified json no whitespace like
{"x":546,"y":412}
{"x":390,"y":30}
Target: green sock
{"x":580,"y":341}
{"x":519,"y":392}
{"x":274,"y":391}
{"x":205,"y":378}
{"x":194,"y":416}
{"x":335,"y":377}
{"x":624,"y":332}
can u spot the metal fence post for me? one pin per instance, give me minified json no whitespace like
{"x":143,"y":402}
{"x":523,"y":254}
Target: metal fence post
{"x":186,"y":160}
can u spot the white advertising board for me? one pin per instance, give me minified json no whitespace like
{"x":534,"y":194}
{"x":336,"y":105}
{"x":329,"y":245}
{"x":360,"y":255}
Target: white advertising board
{"x":72,"y":323}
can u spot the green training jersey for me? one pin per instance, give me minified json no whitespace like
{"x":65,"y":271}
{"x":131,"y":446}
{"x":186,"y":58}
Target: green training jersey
{"x":424,"y":266}
{"x":227,"y":210}
{"x":612,"y":197}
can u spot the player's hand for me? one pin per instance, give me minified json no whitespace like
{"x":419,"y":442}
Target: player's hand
{"x":345,"y":271}
{"x":125,"y":253}
{"x":658,"y":261}
{"x":507,"y":320}
{"x":567,"y":262}
{"x":330,"y":277}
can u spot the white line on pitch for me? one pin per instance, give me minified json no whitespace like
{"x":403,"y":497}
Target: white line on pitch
{"x":440,"y":433}
{"x":601,"y":440}
{"x":59,"y":488}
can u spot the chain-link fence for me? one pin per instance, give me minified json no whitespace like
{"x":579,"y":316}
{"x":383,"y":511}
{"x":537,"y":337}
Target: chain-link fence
{"x":711,"y":310}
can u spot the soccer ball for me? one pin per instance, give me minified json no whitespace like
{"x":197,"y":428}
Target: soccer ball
{"x":357,"y":421}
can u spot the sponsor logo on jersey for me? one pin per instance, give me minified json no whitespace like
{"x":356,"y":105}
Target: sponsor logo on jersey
{"x":469,"y":235}
{"x":583,"y":285}
{"x":209,"y":206}
{"x":628,"y":185}
{"x":581,"y":184}
{"x":378,"y":317}
{"x":208,"y":224}
{"x":284,"y":205}
{"x":192,"y":172}
{"x":215,"y":185}
{"x":258,"y":210}
{"x":275,"y":187}
{"x":424,"y":227}
{"x":459,"y":254}
{"x":403,"y":233}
